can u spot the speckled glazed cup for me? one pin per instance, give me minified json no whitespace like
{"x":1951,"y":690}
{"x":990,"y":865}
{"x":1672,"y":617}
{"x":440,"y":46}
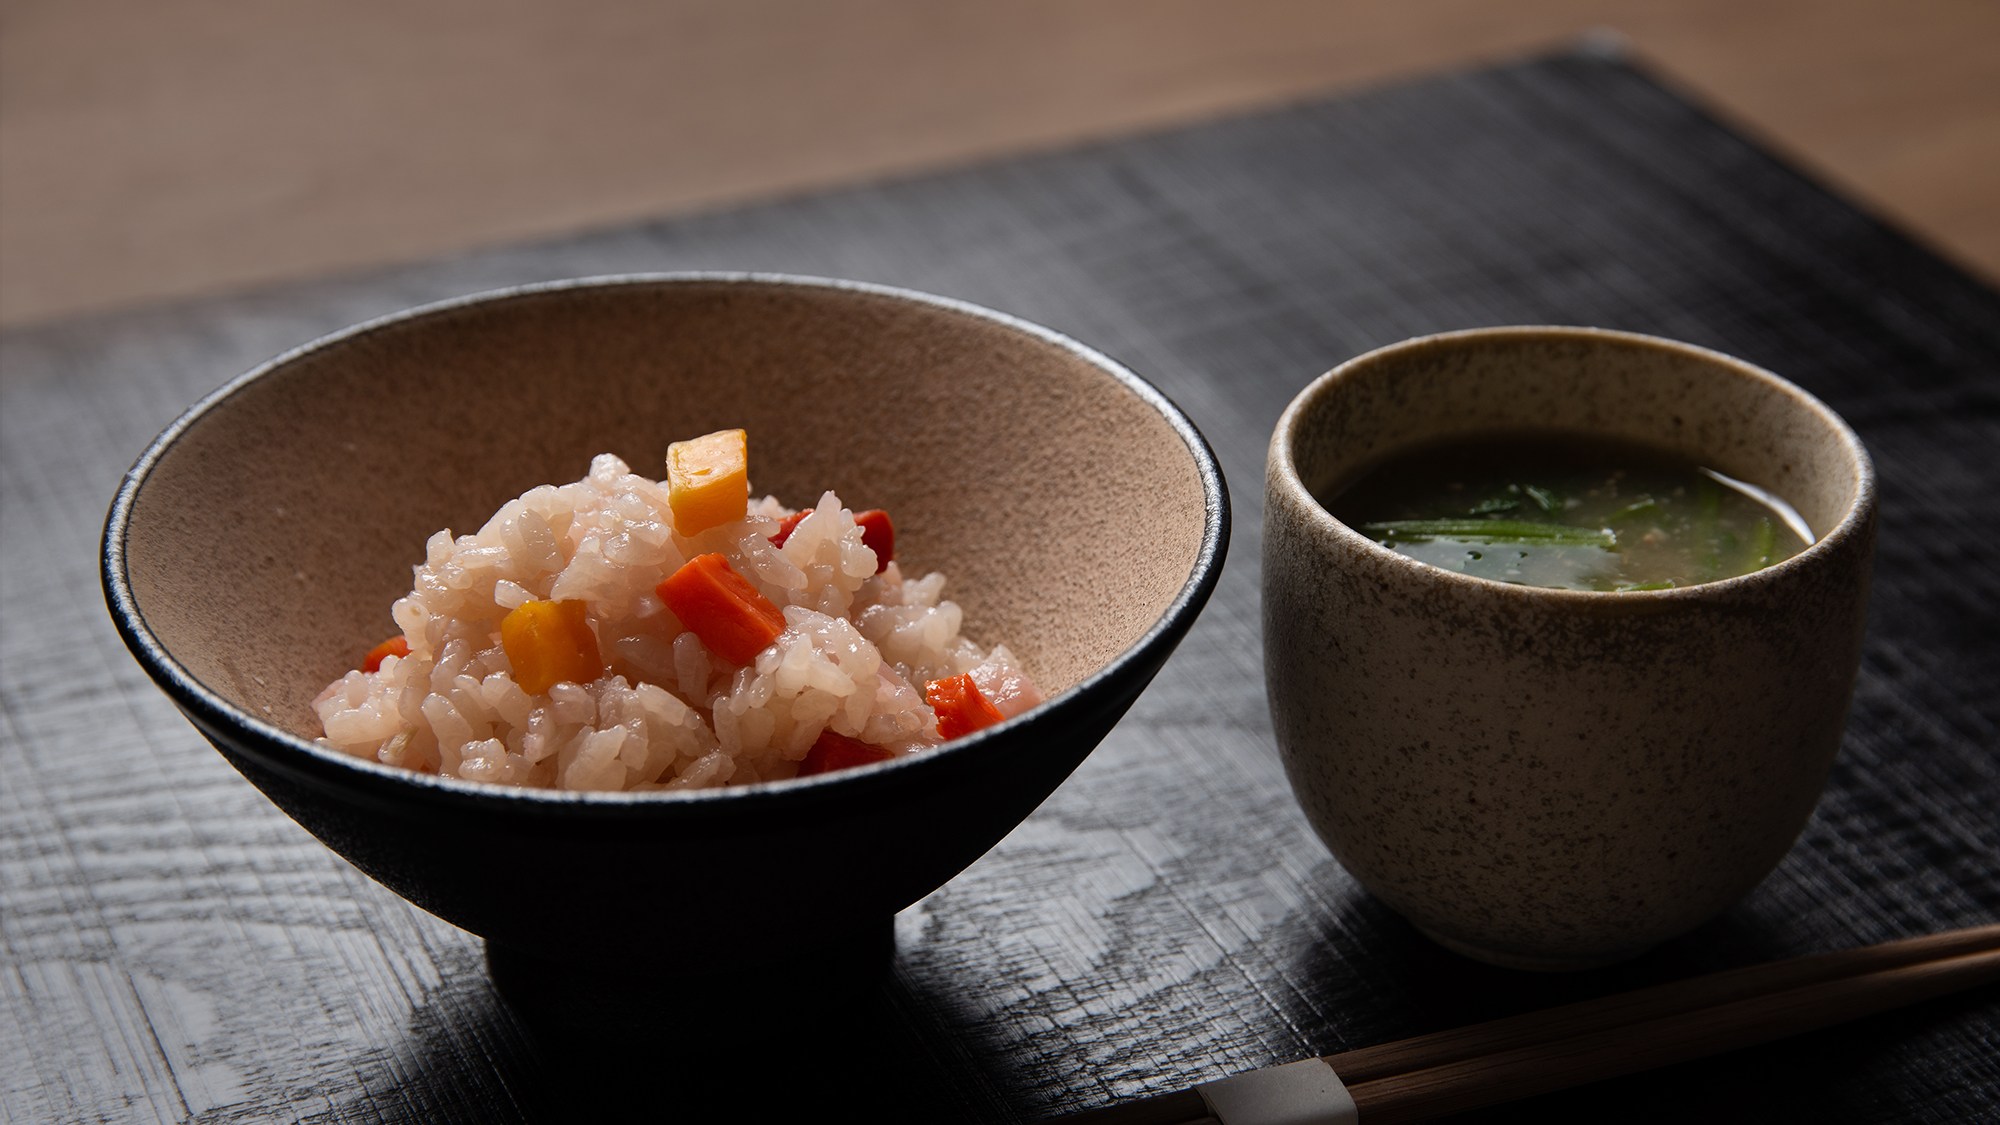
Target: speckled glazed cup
{"x":1555,"y":779}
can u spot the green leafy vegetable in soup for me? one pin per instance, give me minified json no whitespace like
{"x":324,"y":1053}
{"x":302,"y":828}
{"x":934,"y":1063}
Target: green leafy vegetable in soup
{"x":1541,"y":508}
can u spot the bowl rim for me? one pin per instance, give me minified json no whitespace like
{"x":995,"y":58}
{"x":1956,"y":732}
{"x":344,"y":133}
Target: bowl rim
{"x":390,"y":788}
{"x":1281,"y":470}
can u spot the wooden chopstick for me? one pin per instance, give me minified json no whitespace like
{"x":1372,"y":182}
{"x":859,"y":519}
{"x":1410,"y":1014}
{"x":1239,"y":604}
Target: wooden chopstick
{"x":1644,"y":1004}
{"x":1503,"y":1076}
{"x":1483,"y":1064}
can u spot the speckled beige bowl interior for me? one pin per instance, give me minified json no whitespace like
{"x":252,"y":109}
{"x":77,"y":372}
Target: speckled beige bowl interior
{"x":1556,"y":779}
{"x":271,"y":537}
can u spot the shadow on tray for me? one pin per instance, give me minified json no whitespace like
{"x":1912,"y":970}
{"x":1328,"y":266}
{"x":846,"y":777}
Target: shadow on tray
{"x":721,"y":1046}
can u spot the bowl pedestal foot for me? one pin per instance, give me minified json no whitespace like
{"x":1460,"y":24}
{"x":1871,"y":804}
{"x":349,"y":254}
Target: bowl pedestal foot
{"x":725,"y":1035}
{"x":635,"y":990}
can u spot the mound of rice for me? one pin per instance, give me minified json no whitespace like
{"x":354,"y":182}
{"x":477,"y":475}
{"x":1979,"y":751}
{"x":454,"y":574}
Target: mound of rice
{"x":667,"y":713}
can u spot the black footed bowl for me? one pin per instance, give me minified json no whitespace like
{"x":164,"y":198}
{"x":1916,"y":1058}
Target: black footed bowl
{"x":253,"y":552}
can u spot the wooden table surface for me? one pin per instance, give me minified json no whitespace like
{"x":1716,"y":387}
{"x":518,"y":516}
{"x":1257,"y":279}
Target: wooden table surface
{"x":172,"y":948}
{"x":159,"y":150}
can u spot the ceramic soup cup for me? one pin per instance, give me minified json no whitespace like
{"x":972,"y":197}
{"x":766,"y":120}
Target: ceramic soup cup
{"x":1545,"y":778}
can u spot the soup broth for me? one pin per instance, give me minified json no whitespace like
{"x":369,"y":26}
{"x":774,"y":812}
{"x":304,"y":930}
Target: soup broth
{"x":1569,"y":512}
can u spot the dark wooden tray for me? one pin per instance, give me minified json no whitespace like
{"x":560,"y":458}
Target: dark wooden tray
{"x":174,"y":948}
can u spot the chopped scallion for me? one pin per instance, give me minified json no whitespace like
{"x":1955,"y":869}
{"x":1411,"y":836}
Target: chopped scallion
{"x":1492,"y":531}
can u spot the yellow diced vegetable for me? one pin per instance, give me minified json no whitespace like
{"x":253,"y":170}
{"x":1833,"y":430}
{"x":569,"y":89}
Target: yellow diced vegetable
{"x":708,"y":480}
{"x":549,"y":642}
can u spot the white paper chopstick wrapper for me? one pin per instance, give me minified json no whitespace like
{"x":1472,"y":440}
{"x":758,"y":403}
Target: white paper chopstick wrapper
{"x":1300,"y":1093}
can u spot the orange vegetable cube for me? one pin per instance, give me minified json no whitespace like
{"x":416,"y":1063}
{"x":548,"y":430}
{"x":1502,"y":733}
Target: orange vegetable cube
{"x":961,"y":707}
{"x":550,"y":642}
{"x":836,"y":751}
{"x":732,"y":619}
{"x":708,"y":480}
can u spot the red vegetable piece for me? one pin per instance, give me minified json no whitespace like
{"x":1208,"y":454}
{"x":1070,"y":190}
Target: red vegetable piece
{"x":960,"y":707}
{"x":835,"y":751}
{"x":787,"y":526}
{"x":879,"y":535}
{"x":395,"y":646}
{"x":732,"y":619}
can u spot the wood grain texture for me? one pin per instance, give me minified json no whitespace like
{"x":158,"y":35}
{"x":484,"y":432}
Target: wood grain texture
{"x":1509,"y":1075}
{"x":1607,"y":1014}
{"x":173,"y":949}
{"x":1626,"y":1032}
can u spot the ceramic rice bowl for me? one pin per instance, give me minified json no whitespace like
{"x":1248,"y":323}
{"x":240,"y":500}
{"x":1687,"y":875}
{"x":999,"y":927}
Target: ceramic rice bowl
{"x":254,"y":550}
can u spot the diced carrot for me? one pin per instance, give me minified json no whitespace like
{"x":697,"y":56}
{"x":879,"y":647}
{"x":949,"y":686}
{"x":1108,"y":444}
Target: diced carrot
{"x":732,"y":619}
{"x":708,"y":480}
{"x":835,"y":751}
{"x":789,"y":525}
{"x":395,"y":646}
{"x":550,"y":642}
{"x":960,"y":707}
{"x":878,"y":535}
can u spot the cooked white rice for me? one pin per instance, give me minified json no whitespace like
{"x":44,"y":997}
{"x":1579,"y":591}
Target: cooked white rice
{"x":666,"y":714}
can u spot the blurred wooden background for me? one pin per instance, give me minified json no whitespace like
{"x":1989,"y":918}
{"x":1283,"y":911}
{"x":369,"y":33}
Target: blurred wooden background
{"x":152,"y":149}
